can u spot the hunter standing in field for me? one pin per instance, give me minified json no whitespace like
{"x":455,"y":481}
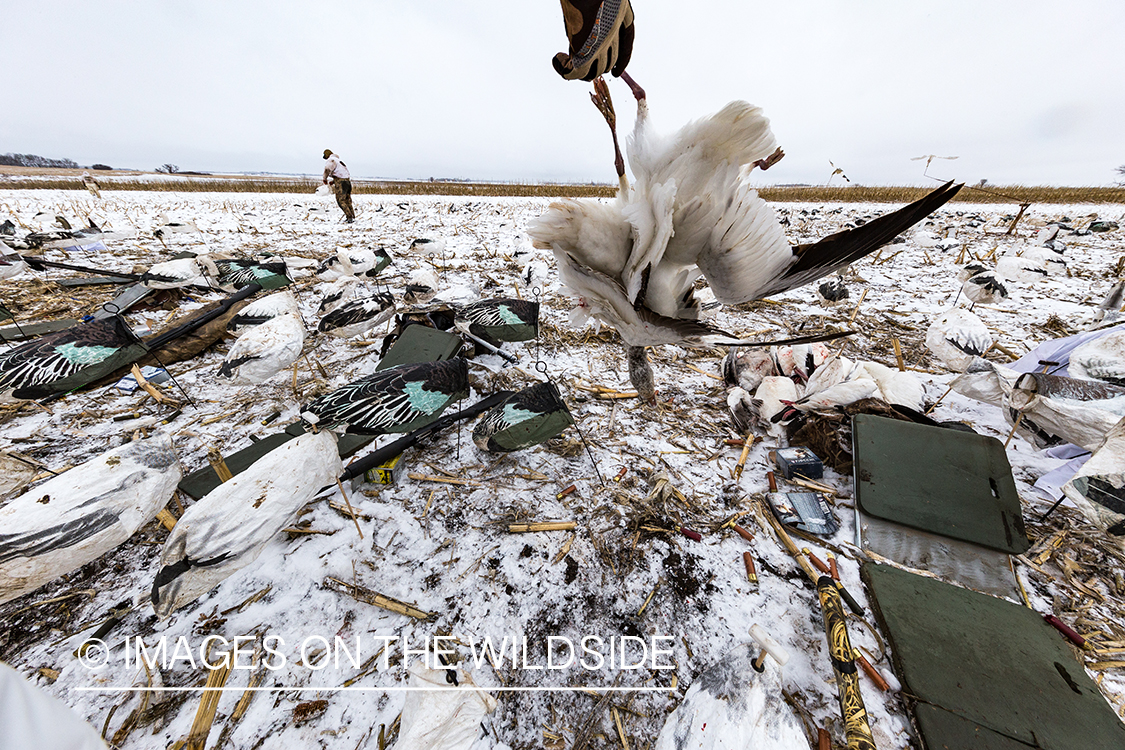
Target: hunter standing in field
{"x":337,"y":171}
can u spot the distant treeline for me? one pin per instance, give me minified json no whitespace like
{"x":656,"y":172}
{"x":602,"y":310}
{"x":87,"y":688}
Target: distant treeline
{"x":33,"y":160}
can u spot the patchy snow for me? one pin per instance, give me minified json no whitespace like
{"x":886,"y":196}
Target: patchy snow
{"x":445,"y":547}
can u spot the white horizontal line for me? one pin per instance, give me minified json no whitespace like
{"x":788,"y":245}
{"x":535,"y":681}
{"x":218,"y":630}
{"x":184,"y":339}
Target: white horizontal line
{"x":133,"y":689}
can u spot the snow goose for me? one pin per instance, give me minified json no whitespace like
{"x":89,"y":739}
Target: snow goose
{"x":428,"y":247}
{"x":896,"y":386}
{"x":83,"y":513}
{"x":421,"y":286}
{"x":354,"y":262}
{"x":229,"y":527}
{"x":956,"y":337}
{"x":1114,"y":301}
{"x":397,"y":399}
{"x":774,"y":395}
{"x":633,"y":263}
{"x":746,"y":366}
{"x":173,"y":274}
{"x":970,"y":270}
{"x":265,"y":350}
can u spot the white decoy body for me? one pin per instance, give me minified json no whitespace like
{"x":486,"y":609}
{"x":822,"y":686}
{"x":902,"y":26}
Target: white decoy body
{"x":421,"y":286}
{"x":173,"y":274}
{"x":1052,"y":261}
{"x":339,"y":292}
{"x":1101,"y":481}
{"x":261,"y":310}
{"x":1022,"y":269}
{"x":350,"y":261}
{"x":924,"y":237}
{"x":692,"y":211}
{"x":1101,"y":359}
{"x":970,"y":270}
{"x":438,"y":718}
{"x":83,"y":513}
{"x":228,"y":528}
{"x":985,"y":288}
{"x":1114,"y":301}
{"x":957,"y":337}
{"x":11,"y":265}
{"x":265,"y":350}
{"x":428,"y":247}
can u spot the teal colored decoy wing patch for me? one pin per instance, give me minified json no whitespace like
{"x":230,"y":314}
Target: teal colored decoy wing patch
{"x":424,"y":400}
{"x":508,"y":316}
{"x":514,"y":414}
{"x":85,"y":355}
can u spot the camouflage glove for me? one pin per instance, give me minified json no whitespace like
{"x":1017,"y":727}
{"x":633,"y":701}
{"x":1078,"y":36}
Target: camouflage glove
{"x":601,"y":38}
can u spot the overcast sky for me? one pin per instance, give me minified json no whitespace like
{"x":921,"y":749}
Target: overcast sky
{"x":1029,"y":92}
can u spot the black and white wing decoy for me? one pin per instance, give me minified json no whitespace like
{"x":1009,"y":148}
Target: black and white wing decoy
{"x":692,"y":212}
{"x":500,"y":319}
{"x":832,"y":292}
{"x":985,"y":288}
{"x":265,"y":350}
{"x":970,"y":270}
{"x":354,"y":262}
{"x":228,"y":528}
{"x":261,"y":310}
{"x":56,"y":356}
{"x":957,"y":337}
{"x":235,"y":273}
{"x":528,"y":417}
{"x":358,"y":316}
{"x":427,"y":246}
{"x":397,"y":399}
{"x":173,"y":274}
{"x":80,"y":515}
{"x":1114,"y":301}
{"x":1023,"y":269}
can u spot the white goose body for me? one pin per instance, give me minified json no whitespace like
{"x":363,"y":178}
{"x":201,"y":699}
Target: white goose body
{"x":775,"y":394}
{"x":261,"y":310}
{"x":358,"y":316}
{"x":956,"y":337}
{"x":1023,"y":269}
{"x":896,"y":386}
{"x":265,"y":350}
{"x":85,"y":512}
{"x":228,"y":528}
{"x":985,"y":288}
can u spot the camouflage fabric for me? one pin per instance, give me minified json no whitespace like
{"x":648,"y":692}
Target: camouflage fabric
{"x":343,"y":191}
{"x":601,"y":38}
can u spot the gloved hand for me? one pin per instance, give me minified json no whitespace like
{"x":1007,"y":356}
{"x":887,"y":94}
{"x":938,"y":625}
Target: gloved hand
{"x":601,"y":38}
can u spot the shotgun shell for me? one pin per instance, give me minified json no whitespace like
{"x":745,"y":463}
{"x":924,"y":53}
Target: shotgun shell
{"x":832,"y":569}
{"x":816,"y":561}
{"x":736,"y":443}
{"x":620,"y":474}
{"x":870,"y":670}
{"x":772,"y":481}
{"x":271,"y":417}
{"x":127,"y":417}
{"x":743,"y":532}
{"x":748,"y":561}
{"x":1066,"y":630}
{"x":569,"y":490}
{"x":695,"y":536}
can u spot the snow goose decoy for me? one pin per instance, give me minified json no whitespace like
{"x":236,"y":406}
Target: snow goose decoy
{"x":528,"y":417}
{"x":1101,"y":359}
{"x":265,"y":350}
{"x":499,"y":319}
{"x":228,"y":528}
{"x":11,"y":264}
{"x":832,"y":292}
{"x":443,"y":711}
{"x":173,"y":274}
{"x":358,"y":316}
{"x":1021,"y":268}
{"x":30,"y":370}
{"x":354,"y":262}
{"x":633,"y":263}
{"x":421,"y":287}
{"x":985,"y":288}
{"x":83,"y":513}
{"x":957,"y":337}
{"x":261,"y":310}
{"x":172,"y":226}
{"x":1114,"y":301}
{"x":235,"y":273}
{"x":969,"y":271}
{"x":428,"y":247}
{"x":397,"y":399}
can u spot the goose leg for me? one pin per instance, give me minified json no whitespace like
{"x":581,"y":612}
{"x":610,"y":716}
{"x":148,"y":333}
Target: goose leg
{"x":604,"y":103}
{"x":638,"y":92}
{"x":769,"y":161}
{"x":640,"y":373}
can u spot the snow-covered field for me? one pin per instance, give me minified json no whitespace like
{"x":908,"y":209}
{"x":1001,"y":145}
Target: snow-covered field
{"x":445,"y":547}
